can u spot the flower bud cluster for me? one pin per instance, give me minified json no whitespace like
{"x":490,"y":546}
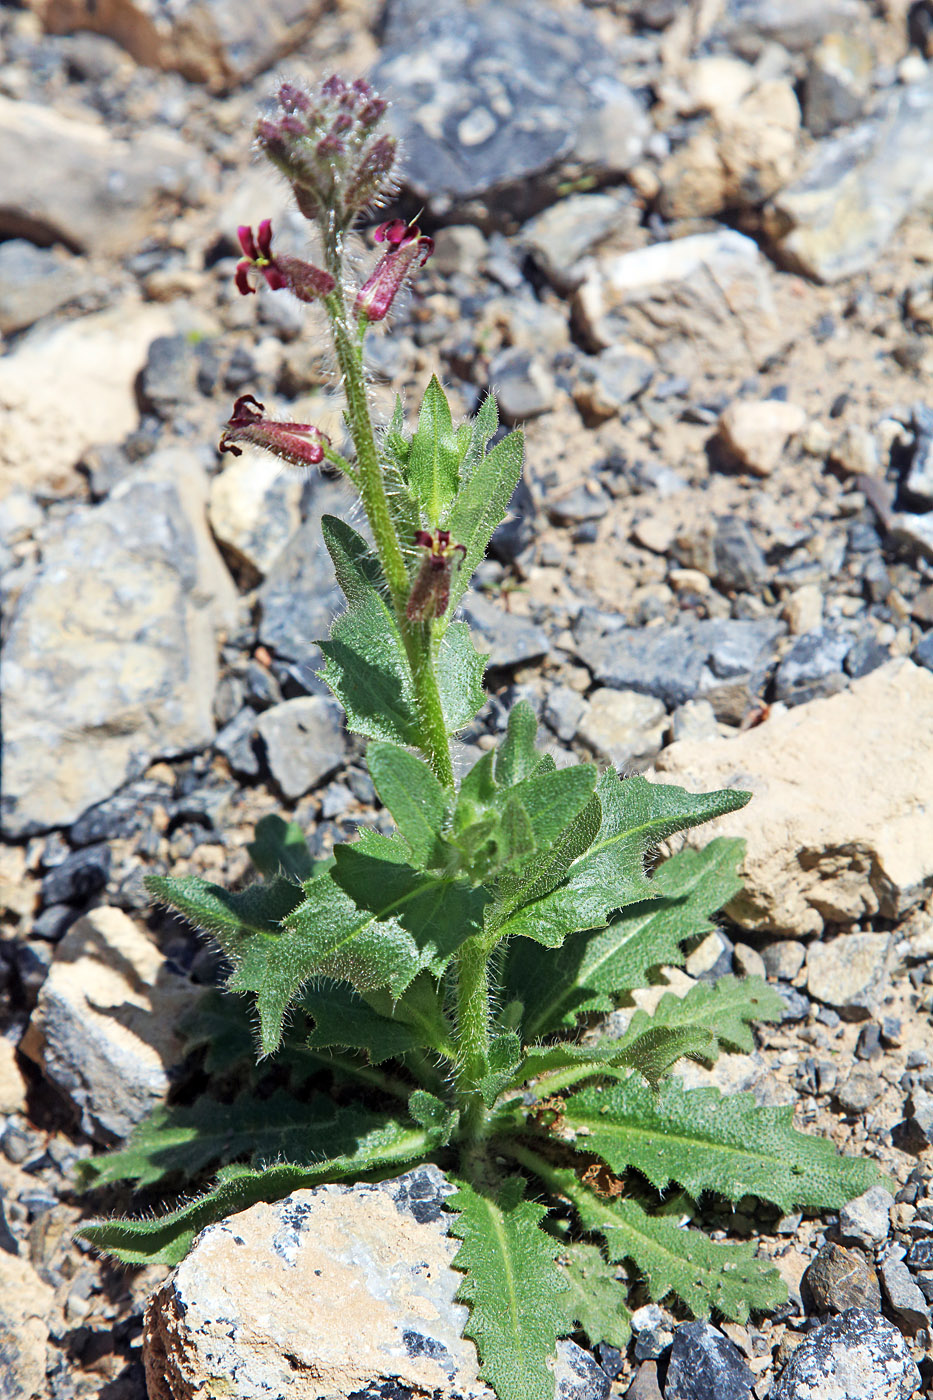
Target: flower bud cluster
{"x":328,"y":146}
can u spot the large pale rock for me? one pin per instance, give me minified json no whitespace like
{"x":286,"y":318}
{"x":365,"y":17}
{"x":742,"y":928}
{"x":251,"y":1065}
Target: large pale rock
{"x":104,"y":1027}
{"x":742,"y":156}
{"x":254,"y":511}
{"x":340,"y":1291}
{"x":623,"y":726}
{"x":706,"y":298}
{"x":841,"y":825}
{"x":756,"y":431}
{"x":110,"y":659}
{"x":218,"y":42}
{"x":69,"y":386}
{"x":68,"y":180}
{"x":25,"y":1304}
{"x":837,"y":218}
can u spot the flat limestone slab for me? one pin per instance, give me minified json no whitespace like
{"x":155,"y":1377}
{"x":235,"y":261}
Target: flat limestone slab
{"x":840,"y":827}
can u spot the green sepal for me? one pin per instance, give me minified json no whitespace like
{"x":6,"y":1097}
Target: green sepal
{"x":434,"y":454}
{"x":513,"y":1286}
{"x":435,"y":1116}
{"x":705,"y":1141}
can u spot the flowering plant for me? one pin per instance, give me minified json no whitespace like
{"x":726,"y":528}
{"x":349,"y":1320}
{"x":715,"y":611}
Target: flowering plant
{"x":455,"y":971}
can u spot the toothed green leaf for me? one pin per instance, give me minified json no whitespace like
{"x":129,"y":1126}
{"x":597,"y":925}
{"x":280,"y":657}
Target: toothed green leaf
{"x":280,"y":848}
{"x":187,"y":1140}
{"x":343,"y":1020}
{"x":434,"y":455}
{"x":365,"y":662}
{"x":596,"y":1299}
{"x":513,"y":1286}
{"x":637,"y":815}
{"x":233,"y":917}
{"x":516,"y":757}
{"x":725,"y":1010}
{"x":595,"y":966}
{"x":416,"y":800}
{"x":166,"y":1239}
{"x":704,"y":1141}
{"x":651,"y":1051}
{"x":671,"y":1259}
{"x":459,"y":668}
{"x":483,"y":501}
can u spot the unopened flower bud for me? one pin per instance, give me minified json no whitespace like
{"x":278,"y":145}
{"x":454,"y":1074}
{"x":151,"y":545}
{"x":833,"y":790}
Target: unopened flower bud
{"x":408,"y":250}
{"x":302,"y":279}
{"x":300,"y":444}
{"x":327,"y":146}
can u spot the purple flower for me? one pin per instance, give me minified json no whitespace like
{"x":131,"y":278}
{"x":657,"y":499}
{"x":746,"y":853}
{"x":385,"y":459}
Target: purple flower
{"x":302,"y":279}
{"x":408,"y":250}
{"x":300,"y":444}
{"x":430,"y":592}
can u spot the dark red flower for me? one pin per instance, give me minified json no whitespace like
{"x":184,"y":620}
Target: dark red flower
{"x":408,"y":250}
{"x":430,"y":592}
{"x":302,"y":279}
{"x":300,"y":444}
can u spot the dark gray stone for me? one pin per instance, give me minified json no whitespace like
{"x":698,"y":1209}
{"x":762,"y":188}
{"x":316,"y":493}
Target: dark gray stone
{"x":54,"y":921}
{"x":812,"y":667}
{"x":119,"y":817}
{"x":169,"y":376}
{"x":517,"y":530}
{"x":500,"y":105}
{"x":866,"y":654}
{"x":511,"y":640}
{"x":34,"y":282}
{"x":923,"y":652}
{"x":78,"y":876}
{"x":797,"y":24}
{"x":525,"y":388}
{"x":739,"y":560}
{"x":705,"y":1365}
{"x":725,"y":659}
{"x":304,"y":741}
{"x":299,"y":597}
{"x":854,"y":1356}
{"x":584,"y":503}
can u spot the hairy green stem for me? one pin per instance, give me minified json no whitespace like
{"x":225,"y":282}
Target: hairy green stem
{"x":417,"y":637}
{"x":473,"y":1032}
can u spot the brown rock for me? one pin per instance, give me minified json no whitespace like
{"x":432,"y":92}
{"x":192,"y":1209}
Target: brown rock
{"x":67,"y":180}
{"x":841,"y":826}
{"x":217,"y":42}
{"x":841,"y":1278}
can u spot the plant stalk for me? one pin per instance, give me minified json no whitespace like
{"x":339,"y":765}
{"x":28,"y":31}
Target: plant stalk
{"x":417,"y":637}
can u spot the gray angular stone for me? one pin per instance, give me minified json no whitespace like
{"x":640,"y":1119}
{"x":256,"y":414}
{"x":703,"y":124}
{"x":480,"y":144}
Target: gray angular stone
{"x":235,"y":742}
{"x":919,"y":480}
{"x":836,"y":83}
{"x":797,"y":24}
{"x":524,"y":385}
{"x":104,"y":1028}
{"x":851,"y":972}
{"x":561,"y":236}
{"x":299,"y":598}
{"x":622,"y":726}
{"x":254,"y":510}
{"x":586,"y":502}
{"x":705,"y":1365}
{"x":67,"y":180}
{"x":837,"y":218}
{"x":305,"y":741}
{"x":902,"y":1292}
{"x":35,"y":281}
{"x":611,"y":380}
{"x":473,"y":93}
{"x":364,"y":1303}
{"x":739,"y":560}
{"x":813,"y":667}
{"x":860,"y":1089}
{"x":851,"y":1357}
{"x":110,"y":659}
{"x":563,"y":710}
{"x":511,"y":640}
{"x":866,"y":1220}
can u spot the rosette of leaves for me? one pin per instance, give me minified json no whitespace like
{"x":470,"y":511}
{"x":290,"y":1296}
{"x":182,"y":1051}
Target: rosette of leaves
{"x":452,"y":979}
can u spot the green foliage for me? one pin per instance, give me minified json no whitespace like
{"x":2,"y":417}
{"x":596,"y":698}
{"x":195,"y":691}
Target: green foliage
{"x":452,"y":969}
{"x":513,"y":1286}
